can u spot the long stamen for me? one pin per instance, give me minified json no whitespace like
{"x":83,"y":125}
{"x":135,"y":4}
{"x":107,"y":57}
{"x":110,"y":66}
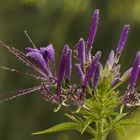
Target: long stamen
{"x":17,"y":71}
{"x":30,"y":40}
{"x":21,"y":93}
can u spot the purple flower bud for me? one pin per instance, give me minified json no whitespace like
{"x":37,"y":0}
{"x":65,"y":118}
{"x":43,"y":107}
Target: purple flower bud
{"x":68,"y":64}
{"x":96,"y":76}
{"x":48,"y":52}
{"x":135,"y":70}
{"x":80,"y":72}
{"x":93,"y":28}
{"x":62,"y":65}
{"x":110,"y":61}
{"x":126,"y":75}
{"x":81,"y":51}
{"x":92,"y":68}
{"x":123,"y":39}
{"x":115,"y":81}
{"x":39,"y":60}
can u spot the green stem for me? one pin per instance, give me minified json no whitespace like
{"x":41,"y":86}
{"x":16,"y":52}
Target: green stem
{"x":99,"y":130}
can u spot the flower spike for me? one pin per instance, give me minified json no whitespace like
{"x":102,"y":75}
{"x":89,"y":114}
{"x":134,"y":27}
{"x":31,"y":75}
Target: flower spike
{"x":123,"y":39}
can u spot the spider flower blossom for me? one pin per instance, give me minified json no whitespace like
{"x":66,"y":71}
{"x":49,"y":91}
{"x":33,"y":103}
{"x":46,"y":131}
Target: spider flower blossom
{"x":59,"y":88}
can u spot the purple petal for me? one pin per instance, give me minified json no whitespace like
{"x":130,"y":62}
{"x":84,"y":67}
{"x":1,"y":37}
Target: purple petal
{"x":92,"y":68}
{"x":93,"y":28}
{"x":68,"y":64}
{"x":62,"y":65}
{"x":96,"y":76}
{"x":38,"y":59}
{"x":31,"y":50}
{"x":135,"y":70}
{"x":81,"y":51}
{"x":48,"y":52}
{"x":123,"y":39}
{"x":80,"y":72}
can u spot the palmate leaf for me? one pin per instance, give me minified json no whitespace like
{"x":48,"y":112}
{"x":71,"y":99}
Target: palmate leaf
{"x":58,"y":127}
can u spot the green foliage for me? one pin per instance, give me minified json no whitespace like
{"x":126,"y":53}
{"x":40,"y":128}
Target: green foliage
{"x":58,"y":127}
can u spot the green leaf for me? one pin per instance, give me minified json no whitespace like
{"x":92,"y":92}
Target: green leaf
{"x":59,"y":127}
{"x":130,"y":122}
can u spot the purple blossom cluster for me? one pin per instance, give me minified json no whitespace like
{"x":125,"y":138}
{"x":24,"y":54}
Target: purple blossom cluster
{"x":56,"y":86}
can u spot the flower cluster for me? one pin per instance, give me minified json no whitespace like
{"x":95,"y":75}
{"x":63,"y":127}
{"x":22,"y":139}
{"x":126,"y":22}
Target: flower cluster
{"x":96,"y":96}
{"x":92,"y":74}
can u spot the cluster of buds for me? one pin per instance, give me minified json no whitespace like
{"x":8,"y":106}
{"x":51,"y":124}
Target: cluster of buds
{"x":56,"y":86}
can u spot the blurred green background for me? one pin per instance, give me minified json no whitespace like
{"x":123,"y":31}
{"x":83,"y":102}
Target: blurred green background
{"x":58,"y":22}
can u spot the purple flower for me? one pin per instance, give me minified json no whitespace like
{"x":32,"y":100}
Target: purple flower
{"x":92,"y":68}
{"x":38,"y":60}
{"x":110,"y":61}
{"x":135,"y":70}
{"x":48,"y":52}
{"x":96,"y":76}
{"x":62,"y":65}
{"x":81,"y":51}
{"x":93,"y":28}
{"x":68,"y":64}
{"x":80,"y":72}
{"x":123,"y":39}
